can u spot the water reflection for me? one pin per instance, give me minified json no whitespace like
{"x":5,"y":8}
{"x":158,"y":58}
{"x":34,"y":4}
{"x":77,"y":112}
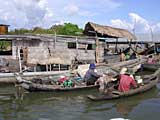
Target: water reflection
{"x":35,"y":106}
{"x":127,"y":105}
{"x":124,"y":106}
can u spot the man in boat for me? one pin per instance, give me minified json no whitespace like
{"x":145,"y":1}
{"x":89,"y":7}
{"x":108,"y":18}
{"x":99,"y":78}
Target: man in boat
{"x":91,"y":76}
{"x":126,"y":81}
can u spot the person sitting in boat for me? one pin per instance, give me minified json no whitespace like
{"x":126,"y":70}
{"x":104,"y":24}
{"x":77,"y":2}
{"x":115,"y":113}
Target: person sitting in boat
{"x":122,"y":56}
{"x":151,"y":60}
{"x":126,"y":81}
{"x":133,"y":56}
{"x":103,"y":82}
{"x":127,"y":56}
{"x":91,"y":76}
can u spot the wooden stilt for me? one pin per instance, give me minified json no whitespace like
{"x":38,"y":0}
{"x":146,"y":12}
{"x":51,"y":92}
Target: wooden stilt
{"x":19,"y":59}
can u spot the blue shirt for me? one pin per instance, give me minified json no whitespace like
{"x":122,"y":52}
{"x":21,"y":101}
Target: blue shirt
{"x":91,"y":76}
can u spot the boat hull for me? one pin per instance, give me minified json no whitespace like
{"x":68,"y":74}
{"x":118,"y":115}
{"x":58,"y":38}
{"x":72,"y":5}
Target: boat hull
{"x":151,"y":82}
{"x":32,"y":87}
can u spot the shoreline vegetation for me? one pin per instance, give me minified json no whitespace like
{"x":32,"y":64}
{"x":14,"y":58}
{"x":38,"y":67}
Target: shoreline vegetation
{"x":66,"y":29}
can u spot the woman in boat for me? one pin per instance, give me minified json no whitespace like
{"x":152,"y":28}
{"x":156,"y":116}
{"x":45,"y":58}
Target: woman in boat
{"x":91,"y":76}
{"x":126,"y":81}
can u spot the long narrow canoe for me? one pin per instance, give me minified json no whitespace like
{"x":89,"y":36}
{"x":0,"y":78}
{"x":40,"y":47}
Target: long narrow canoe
{"x":78,"y":85}
{"x":150,"y":80}
{"x":49,"y":88}
{"x":36,"y":87}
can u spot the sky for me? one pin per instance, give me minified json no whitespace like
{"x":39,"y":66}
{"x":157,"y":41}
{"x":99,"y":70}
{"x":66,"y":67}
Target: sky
{"x":140,"y":16}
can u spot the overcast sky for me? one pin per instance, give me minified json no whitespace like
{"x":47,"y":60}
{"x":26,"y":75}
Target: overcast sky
{"x":129,"y":14}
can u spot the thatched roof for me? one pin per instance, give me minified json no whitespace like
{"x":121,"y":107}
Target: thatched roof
{"x":107,"y":31}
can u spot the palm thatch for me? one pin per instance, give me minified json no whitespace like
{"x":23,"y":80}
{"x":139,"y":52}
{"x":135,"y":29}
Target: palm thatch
{"x":107,"y":31}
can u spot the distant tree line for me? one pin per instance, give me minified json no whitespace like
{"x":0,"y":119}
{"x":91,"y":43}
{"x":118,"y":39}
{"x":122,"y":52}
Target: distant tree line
{"x":66,"y":29}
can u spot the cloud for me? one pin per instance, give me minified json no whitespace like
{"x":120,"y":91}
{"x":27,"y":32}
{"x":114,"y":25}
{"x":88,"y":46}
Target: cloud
{"x":35,"y":11}
{"x":26,"y":14}
{"x":137,"y":23}
{"x":75,"y":10}
{"x":44,"y":13}
{"x":121,"y":24}
{"x":72,"y":9}
{"x":156,"y":27}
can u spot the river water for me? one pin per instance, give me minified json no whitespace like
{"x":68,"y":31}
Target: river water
{"x":75,"y":106}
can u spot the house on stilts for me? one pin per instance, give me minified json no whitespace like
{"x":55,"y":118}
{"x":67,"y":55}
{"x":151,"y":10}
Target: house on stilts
{"x":59,"y":52}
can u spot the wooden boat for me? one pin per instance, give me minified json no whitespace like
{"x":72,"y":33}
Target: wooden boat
{"x":78,"y":85}
{"x":37,"y":87}
{"x":149,"y":82}
{"x":150,"y":67}
{"x":32,"y":87}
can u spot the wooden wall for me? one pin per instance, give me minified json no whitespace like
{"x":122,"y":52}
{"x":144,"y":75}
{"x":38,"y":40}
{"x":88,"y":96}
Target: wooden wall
{"x":56,"y":50}
{"x":3,"y":29}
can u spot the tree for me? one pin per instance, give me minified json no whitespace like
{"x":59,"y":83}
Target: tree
{"x":66,"y":29}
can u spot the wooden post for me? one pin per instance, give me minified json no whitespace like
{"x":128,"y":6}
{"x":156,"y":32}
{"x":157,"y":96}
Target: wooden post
{"x":130,"y":43}
{"x":76,"y":45}
{"x":47,"y":67}
{"x":59,"y":67}
{"x":97,"y":49}
{"x":34,"y":68}
{"x":19,"y":60}
{"x":116,"y":48}
{"x":50,"y":67}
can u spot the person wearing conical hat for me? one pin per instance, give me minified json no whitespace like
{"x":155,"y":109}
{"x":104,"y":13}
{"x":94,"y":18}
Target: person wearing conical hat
{"x":126,"y":81}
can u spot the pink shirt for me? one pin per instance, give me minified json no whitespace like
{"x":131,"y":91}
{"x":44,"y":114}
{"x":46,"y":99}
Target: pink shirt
{"x":151,"y":61}
{"x":125,"y":83}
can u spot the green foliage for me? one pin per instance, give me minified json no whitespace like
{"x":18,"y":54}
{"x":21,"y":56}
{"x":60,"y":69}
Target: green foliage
{"x":20,"y":31}
{"x":4,"y":45}
{"x":66,"y":29}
